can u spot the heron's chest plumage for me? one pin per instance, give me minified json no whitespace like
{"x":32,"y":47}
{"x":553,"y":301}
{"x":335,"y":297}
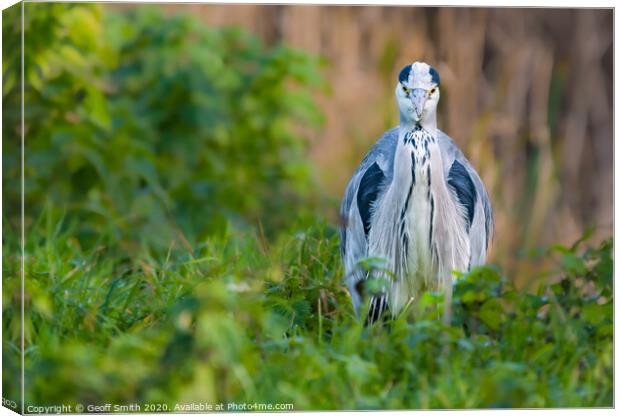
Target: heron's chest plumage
{"x":416,"y":217}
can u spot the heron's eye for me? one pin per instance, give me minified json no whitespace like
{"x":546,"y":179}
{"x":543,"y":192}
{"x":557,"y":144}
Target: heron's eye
{"x":405,"y":89}
{"x":432,"y":91}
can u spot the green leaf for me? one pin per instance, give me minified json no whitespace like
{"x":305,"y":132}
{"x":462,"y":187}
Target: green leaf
{"x":491,"y":313}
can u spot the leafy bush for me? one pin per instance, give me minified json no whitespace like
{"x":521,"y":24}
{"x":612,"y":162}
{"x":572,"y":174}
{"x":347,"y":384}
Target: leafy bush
{"x":143,"y":125}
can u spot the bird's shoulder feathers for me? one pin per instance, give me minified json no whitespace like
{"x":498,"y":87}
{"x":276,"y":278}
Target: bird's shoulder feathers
{"x":465,"y":181}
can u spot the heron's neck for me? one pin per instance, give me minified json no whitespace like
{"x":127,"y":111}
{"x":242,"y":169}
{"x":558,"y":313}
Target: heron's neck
{"x":413,"y":151}
{"x":429,"y":124}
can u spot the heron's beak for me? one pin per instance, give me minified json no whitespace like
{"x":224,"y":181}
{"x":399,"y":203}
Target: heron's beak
{"x":418,"y":98}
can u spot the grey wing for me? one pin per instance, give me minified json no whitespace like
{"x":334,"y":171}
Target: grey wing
{"x":370,"y":179}
{"x":471,"y":193}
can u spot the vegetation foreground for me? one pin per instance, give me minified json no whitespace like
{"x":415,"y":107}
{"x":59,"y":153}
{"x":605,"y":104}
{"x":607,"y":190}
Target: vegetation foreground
{"x":238,"y":320}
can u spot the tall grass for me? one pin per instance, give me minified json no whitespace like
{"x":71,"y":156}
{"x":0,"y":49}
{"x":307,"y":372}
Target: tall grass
{"x":237,"y":319}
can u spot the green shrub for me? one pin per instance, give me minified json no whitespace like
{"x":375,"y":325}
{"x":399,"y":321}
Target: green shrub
{"x":144,"y":127}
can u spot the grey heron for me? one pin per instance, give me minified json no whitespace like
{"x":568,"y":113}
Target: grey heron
{"x":414,"y":201}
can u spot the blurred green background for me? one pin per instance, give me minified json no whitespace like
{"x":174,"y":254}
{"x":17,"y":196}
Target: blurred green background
{"x":184,"y":165}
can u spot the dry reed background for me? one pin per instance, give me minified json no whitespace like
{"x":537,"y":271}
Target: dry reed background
{"x":527,"y":94}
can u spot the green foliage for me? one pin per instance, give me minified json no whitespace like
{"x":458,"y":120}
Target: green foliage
{"x":238,"y":319}
{"x":144,"y":125}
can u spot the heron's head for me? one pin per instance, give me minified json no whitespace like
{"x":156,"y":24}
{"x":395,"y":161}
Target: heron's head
{"x":417,"y":93}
